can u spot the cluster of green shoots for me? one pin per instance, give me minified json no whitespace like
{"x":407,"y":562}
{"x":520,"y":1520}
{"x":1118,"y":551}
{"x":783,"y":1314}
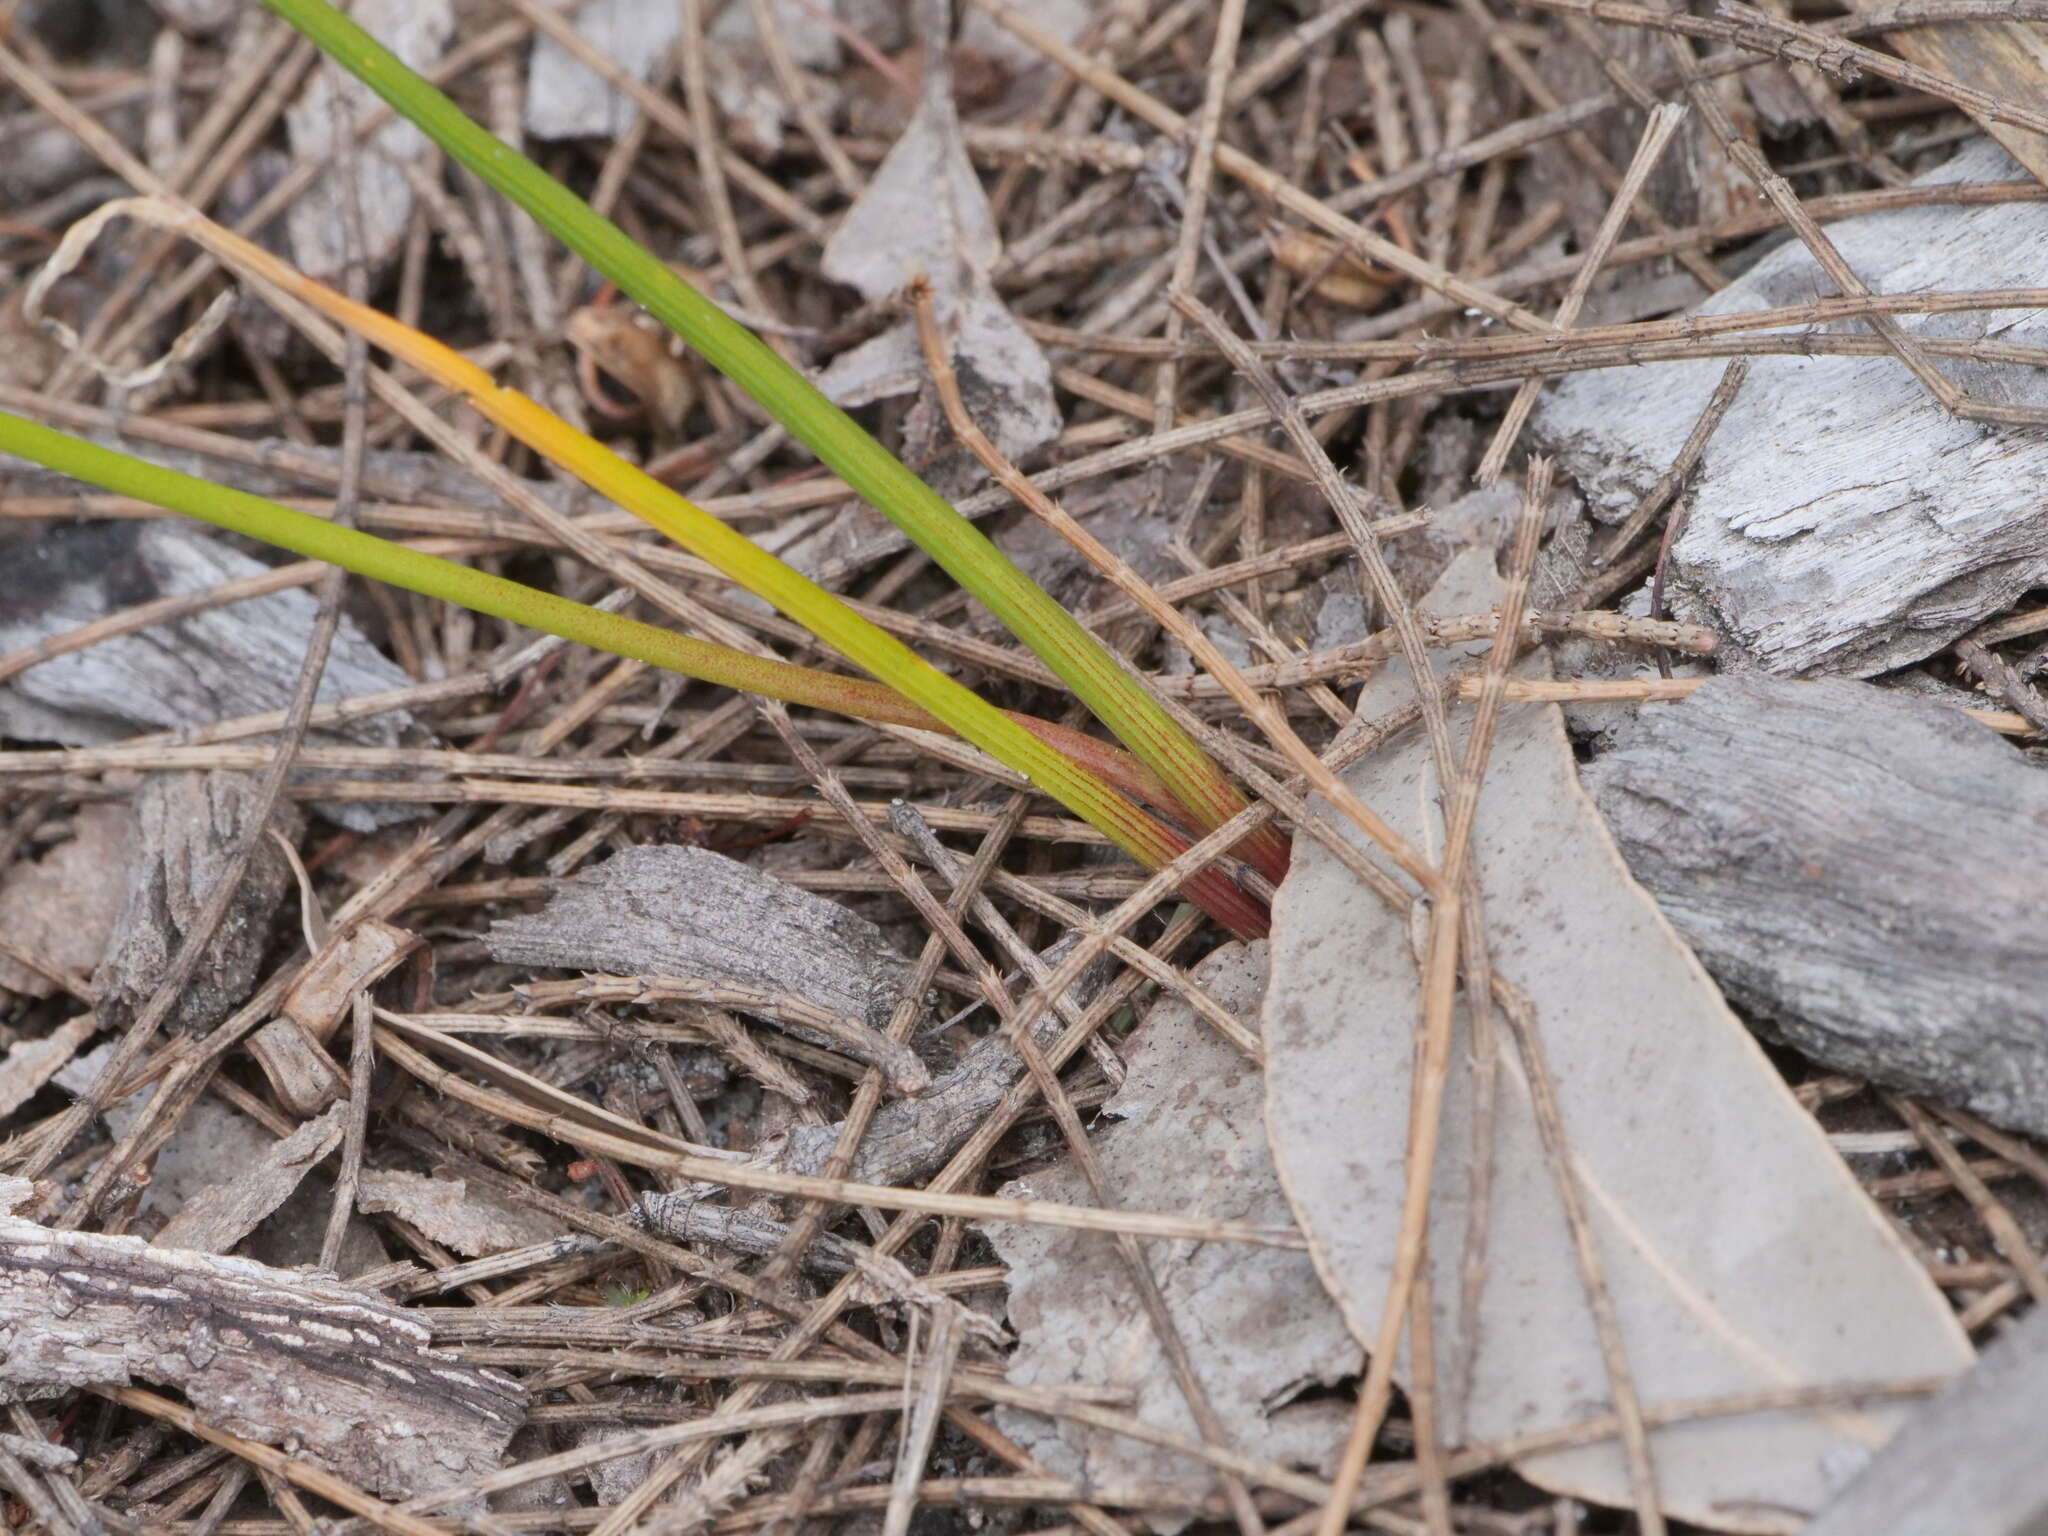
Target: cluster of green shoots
{"x":1148,"y":797}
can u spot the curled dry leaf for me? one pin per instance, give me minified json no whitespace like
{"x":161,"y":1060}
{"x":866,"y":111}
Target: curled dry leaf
{"x":1740,"y":1253}
{"x":1335,"y":274}
{"x":1185,"y":1136}
{"x":635,"y":351}
{"x":278,"y":1356}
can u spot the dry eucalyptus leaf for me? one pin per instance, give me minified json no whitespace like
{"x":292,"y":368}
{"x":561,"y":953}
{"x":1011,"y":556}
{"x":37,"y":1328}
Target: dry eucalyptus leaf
{"x":924,"y":215}
{"x":1186,"y":1137}
{"x":280,"y":1356}
{"x":567,"y":99}
{"x":417,"y":31}
{"x":471,"y":1221}
{"x":61,"y":907}
{"x":1740,"y":1253}
{"x":221,"y":1215}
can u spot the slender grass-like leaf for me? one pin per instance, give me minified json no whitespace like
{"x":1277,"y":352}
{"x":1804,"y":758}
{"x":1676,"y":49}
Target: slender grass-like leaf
{"x":954,"y":543}
{"x":1080,"y":760}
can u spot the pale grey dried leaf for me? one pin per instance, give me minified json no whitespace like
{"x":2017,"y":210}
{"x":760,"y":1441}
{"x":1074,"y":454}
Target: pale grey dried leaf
{"x":238,"y":660}
{"x":222,"y":1214}
{"x":472,"y":1221}
{"x":679,"y":911}
{"x":1842,"y":520}
{"x":1740,"y":1252}
{"x":278,"y":1356}
{"x":417,"y":31}
{"x":1858,"y":867}
{"x":60,"y":908}
{"x":1185,"y":1135}
{"x":567,"y":99}
{"x":186,"y":828}
{"x":924,"y":215}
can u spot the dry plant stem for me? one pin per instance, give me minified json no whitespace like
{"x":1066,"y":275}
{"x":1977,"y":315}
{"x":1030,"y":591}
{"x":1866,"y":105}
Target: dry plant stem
{"x":1046,"y":1079}
{"x":1997,"y":674}
{"x":1367,"y":245}
{"x":1464,"y":814}
{"x":1998,"y":1219}
{"x":1440,"y":966}
{"x":1779,"y":194}
{"x":1195,"y":207}
{"x":720,"y":1171}
{"x":292,"y":1469}
{"x":1664,"y":121}
{"x":921,"y":1423}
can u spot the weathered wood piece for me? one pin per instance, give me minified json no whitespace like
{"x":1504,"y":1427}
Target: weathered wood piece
{"x":269,"y":1354}
{"x":1970,"y":1463}
{"x":1841,"y":520}
{"x":222,"y":1214}
{"x":2007,"y":59}
{"x":680,"y":911}
{"x":187,"y":826}
{"x":223,"y":662}
{"x":1860,"y":869}
{"x":909,"y":1138}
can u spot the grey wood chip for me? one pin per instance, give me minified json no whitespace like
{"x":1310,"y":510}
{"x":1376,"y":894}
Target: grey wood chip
{"x":187,"y":825}
{"x":1859,"y":868}
{"x":1842,"y":521}
{"x":283,"y":1357}
{"x":1969,"y":1463}
{"x":221,"y":1215}
{"x":239,"y":660}
{"x":679,"y":911}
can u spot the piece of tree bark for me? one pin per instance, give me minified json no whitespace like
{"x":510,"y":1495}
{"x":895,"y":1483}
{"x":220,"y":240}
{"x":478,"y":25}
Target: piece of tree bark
{"x":219,"y":1217}
{"x":679,"y":911}
{"x":186,"y":827}
{"x":1970,"y":1463}
{"x":1841,"y":519}
{"x":2008,"y":59}
{"x":277,"y":1356}
{"x":1860,"y":869}
{"x":223,"y":662}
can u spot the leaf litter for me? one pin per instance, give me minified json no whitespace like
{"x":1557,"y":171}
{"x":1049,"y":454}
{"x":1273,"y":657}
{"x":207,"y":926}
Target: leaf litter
{"x":1370,"y":208}
{"x":1740,"y":1253}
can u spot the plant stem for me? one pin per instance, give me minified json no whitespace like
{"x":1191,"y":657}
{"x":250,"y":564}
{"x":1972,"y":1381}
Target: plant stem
{"x":872,"y":472}
{"x":1090,"y":764}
